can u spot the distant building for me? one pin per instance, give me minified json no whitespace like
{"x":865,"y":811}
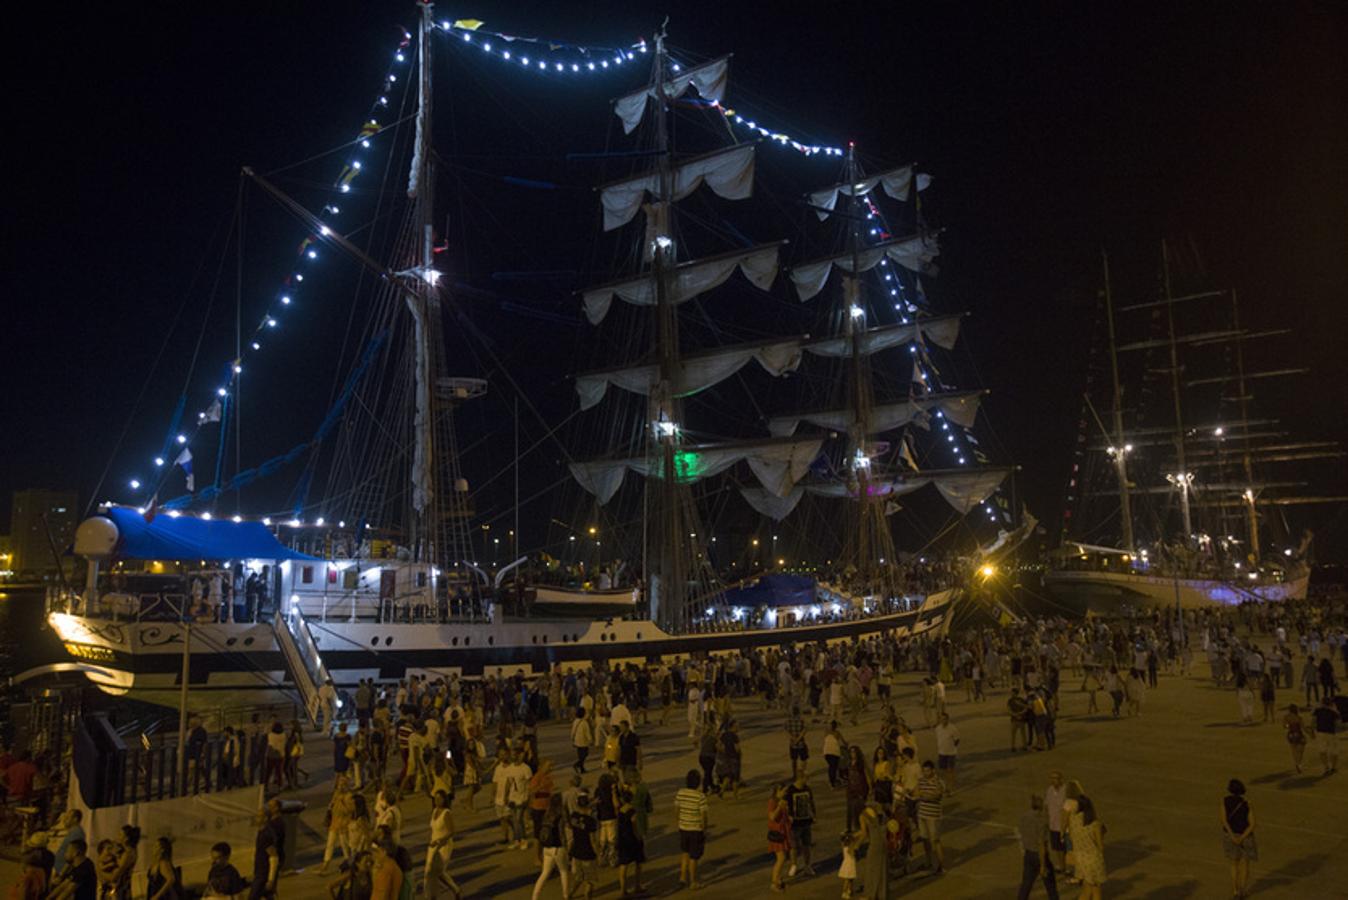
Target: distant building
{"x":6,"y":556}
{"x":30,"y":543}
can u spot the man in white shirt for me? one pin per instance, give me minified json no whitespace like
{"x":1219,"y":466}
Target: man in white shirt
{"x":694,"y":710}
{"x":1054,"y":797}
{"x":619,"y":714}
{"x":512,"y":787}
{"x":947,"y":747}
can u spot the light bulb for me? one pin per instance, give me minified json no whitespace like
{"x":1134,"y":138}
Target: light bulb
{"x":135,"y":485}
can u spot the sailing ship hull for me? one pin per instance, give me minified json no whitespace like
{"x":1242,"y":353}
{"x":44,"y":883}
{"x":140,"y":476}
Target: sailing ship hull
{"x":1110,"y":593}
{"x":241,"y":665}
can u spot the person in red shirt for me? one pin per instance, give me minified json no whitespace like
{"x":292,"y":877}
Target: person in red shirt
{"x":19,"y":777}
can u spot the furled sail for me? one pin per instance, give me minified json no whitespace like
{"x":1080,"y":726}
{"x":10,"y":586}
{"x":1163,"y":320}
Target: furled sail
{"x":960,"y":407}
{"x":897,"y":183}
{"x":915,"y":253}
{"x":690,"y":279}
{"x":940,"y":330}
{"x":695,"y":372}
{"x":728,"y":172}
{"x":777,"y":464}
{"x":962,"y":489}
{"x":708,"y":78}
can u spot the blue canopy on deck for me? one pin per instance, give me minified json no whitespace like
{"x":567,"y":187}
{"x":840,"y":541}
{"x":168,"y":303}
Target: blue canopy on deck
{"x":774,"y":590}
{"x":187,"y":538}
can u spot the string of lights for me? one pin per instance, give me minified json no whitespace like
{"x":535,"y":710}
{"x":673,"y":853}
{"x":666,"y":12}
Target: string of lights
{"x":287,"y":295}
{"x":543,"y":55}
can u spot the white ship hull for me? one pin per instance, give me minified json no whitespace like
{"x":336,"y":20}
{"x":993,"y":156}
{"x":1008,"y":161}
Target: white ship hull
{"x":236,"y":665}
{"x":1108,"y":593}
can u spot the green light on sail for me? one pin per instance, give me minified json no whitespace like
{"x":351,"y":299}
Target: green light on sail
{"x":688,"y":465}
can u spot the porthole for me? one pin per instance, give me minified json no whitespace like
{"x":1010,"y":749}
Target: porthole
{"x":638,"y":635}
{"x":575,"y":638}
{"x":545,"y":638}
{"x":229,"y":642}
{"x":388,"y":640}
{"x":374,"y":641}
{"x":467,"y":641}
{"x":248,"y":642}
{"x":533,"y":638}
{"x":491,"y":639}
{"x":454,"y":642}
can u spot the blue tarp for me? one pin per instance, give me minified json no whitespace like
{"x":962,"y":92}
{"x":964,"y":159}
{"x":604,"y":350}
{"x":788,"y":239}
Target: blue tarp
{"x":187,"y":538}
{"x":774,"y":590}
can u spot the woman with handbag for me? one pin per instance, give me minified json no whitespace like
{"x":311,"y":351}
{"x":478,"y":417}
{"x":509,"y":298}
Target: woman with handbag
{"x":779,"y":833}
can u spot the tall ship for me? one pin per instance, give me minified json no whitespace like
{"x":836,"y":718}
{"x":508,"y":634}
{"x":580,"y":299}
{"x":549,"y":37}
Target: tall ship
{"x":1179,"y":495}
{"x":375,"y":568}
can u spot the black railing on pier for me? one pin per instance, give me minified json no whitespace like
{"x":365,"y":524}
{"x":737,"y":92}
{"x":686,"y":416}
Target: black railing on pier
{"x":113,"y":772}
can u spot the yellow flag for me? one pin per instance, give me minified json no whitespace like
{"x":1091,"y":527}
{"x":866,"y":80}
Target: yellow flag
{"x":469,"y":24}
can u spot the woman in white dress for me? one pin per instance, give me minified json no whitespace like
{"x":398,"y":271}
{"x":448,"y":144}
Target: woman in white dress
{"x":1088,"y":847}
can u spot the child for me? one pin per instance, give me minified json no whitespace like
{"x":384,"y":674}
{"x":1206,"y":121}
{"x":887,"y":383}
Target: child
{"x":848,"y":870}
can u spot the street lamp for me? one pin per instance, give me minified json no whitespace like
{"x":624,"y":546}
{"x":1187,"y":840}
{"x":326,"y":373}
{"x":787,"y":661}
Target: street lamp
{"x":1184,"y":481}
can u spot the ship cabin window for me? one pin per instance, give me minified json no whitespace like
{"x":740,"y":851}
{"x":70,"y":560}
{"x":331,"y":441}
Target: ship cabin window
{"x":421,"y":579}
{"x":350,"y":580}
{"x":307,"y":575}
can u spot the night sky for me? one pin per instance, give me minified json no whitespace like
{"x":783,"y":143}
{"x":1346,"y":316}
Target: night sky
{"x":1053,"y":130}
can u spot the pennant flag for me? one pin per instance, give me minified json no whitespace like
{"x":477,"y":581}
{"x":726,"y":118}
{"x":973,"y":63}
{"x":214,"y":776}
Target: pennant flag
{"x":891,"y":507}
{"x":212,"y":414}
{"x":185,"y":460}
{"x":153,"y":509}
{"x":469,"y":24}
{"x":906,"y":454}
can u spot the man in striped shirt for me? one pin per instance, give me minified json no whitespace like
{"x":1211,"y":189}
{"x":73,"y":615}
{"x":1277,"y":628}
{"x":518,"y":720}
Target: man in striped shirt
{"x":930,"y":791}
{"x":690,"y":804}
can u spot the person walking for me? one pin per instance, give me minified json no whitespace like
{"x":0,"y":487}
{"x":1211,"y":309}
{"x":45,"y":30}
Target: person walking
{"x":690,"y":806}
{"x":1296,"y":735}
{"x":930,"y":793}
{"x":832,"y":752}
{"x":1238,"y":842}
{"x":858,"y":787}
{"x":800,"y":805}
{"x":631,"y":846}
{"x":779,"y":834}
{"x":1017,"y":709}
{"x":552,"y":838}
{"x":875,"y":867}
{"x":582,"y":736}
{"x":161,"y":880}
{"x":340,"y":808}
{"x":947,"y":748}
{"x":1268,"y":696}
{"x":1326,"y":720}
{"x":435,"y":878}
{"x":541,"y":789}
{"x":1055,"y":795}
{"x":388,"y":876}
{"x":1036,"y":860}
{"x":1088,"y":848}
{"x":581,"y":826}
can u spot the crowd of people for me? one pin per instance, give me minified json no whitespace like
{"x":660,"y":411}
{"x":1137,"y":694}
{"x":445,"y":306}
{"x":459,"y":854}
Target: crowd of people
{"x":586,"y":820}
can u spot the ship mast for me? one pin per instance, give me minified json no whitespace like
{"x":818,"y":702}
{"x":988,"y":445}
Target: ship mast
{"x":1183,"y":479}
{"x":1120,"y":449}
{"x":1249,"y":494}
{"x":870,"y":526}
{"x":667,"y":587}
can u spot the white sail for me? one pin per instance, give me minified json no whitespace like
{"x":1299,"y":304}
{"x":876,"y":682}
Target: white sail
{"x":777,"y":464}
{"x":960,"y":407}
{"x":709,"y":79}
{"x":695,"y":373}
{"x":728,"y":172}
{"x":897,"y":183}
{"x":690,"y":279}
{"x":940,"y":330}
{"x":963,"y":490}
{"x":769,"y":504}
{"x":914,"y":253}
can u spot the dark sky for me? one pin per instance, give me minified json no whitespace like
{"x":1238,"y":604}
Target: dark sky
{"x":1053,"y":130}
